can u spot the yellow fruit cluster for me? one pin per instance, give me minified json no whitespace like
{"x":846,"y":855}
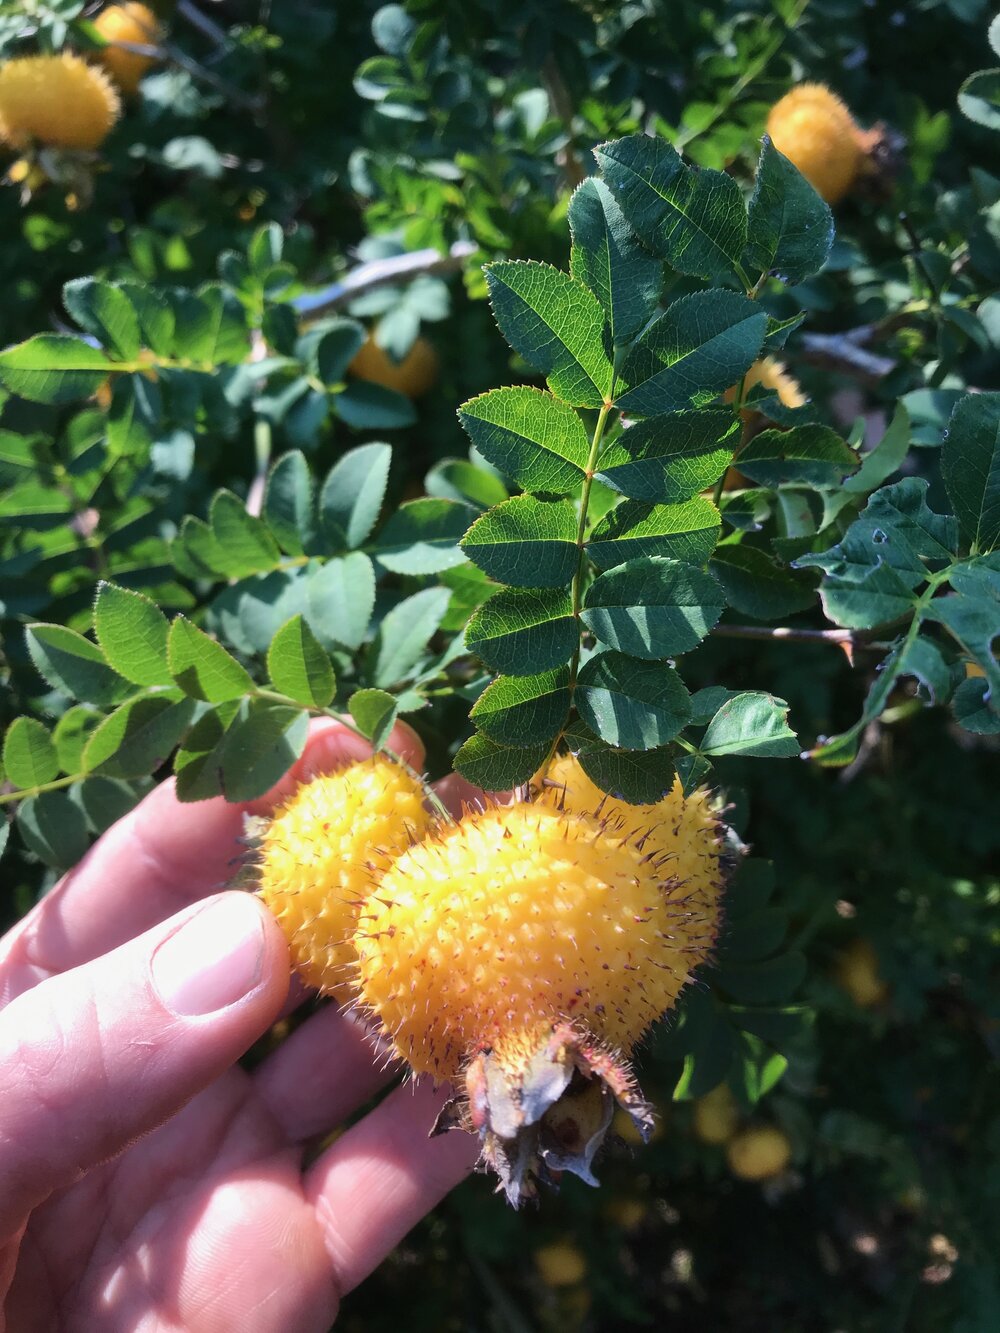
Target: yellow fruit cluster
{"x":522,"y":951}
{"x":57,"y":101}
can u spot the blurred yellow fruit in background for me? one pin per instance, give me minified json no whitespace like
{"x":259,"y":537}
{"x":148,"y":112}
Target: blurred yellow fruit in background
{"x":412,"y":376}
{"x":759,"y":1153}
{"x":127,"y":23}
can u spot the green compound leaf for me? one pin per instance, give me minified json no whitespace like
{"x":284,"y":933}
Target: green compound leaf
{"x":629,"y":704}
{"x":245,"y":543}
{"x":53,"y":827}
{"x":873,"y":573}
{"x":526,"y":543}
{"x":54,"y":368}
{"x":970,"y":466}
{"x":423,"y":536}
{"x":29,"y":754}
{"x":288,"y":502}
{"x":494,"y":767}
{"x":695,"y":219}
{"x":260,"y":746}
{"x":352,"y":494}
{"x":132,"y":632}
{"x":529,"y":436}
{"x":755,"y":585}
{"x":202,"y":667}
{"x":71,"y":663}
{"x":105,"y":312}
{"x":686,"y":531}
{"x":653,"y":607}
{"x":198,"y":763}
{"x":815,"y":455}
{"x":375,"y":713}
{"x":341,"y":598}
{"x":754,"y":725}
{"x":556,"y":324}
{"x":524,"y":710}
{"x":298,"y":665}
{"x":71,"y":733}
{"x":670,"y":458}
{"x":790,"y":227}
{"x":138,"y":738}
{"x":638,"y":777}
{"x":607,"y":258}
{"x":522,"y":631}
{"x":405,"y":633}
{"x":698,"y":347}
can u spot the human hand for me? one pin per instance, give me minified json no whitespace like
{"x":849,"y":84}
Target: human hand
{"x":146,"y":1181}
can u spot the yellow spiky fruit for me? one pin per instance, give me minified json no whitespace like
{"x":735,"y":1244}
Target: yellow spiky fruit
{"x":56,"y":101}
{"x":319,"y":856}
{"x":684,"y":830}
{"x":134,"y":23}
{"x":760,"y":1152}
{"x":813,"y":128}
{"x":526,"y":950}
{"x":716,"y":1116}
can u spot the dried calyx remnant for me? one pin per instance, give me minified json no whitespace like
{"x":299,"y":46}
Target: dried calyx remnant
{"x":519,"y":954}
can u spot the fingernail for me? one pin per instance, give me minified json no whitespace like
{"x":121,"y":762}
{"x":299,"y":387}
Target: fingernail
{"x":213,"y":960}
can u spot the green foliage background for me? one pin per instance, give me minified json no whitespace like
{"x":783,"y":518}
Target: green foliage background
{"x":211,"y":530}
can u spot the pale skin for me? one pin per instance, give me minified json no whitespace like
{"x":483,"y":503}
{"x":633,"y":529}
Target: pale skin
{"x":147,"y":1181}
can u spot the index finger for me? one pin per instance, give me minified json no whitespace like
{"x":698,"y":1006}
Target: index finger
{"x":161,"y":856}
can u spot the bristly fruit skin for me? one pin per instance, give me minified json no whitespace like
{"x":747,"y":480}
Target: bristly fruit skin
{"x":524,"y":952}
{"x":685,"y":830}
{"x":813,"y":128}
{"x":127,"y":23}
{"x":319,"y":857}
{"x":56,"y":101}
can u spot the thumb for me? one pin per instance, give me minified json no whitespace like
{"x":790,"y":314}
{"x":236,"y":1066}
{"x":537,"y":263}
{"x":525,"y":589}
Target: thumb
{"x":99,"y":1055}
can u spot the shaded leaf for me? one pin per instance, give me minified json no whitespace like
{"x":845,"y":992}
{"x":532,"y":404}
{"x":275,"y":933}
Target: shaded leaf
{"x":698,"y":347}
{"x":670,"y":458}
{"x":813,"y":454}
{"x":245,"y":543}
{"x":638,"y":777}
{"x":695,"y":219}
{"x":137,"y":739}
{"x":374,"y":712}
{"x":686,"y":531}
{"x":790,"y":227}
{"x":405,"y":634}
{"x":104,"y":311}
{"x":288,"y":502}
{"x":198,"y":763}
{"x":755,"y":585}
{"x":423,"y":536}
{"x":970,"y":467}
{"x":523,"y":631}
{"x":341,"y":599}
{"x":494,"y":767}
{"x":74,"y":664}
{"x":260,"y":746}
{"x":607,"y":258}
{"x":53,"y":827}
{"x":653,"y":607}
{"x":524,"y":710}
{"x":629,"y":704}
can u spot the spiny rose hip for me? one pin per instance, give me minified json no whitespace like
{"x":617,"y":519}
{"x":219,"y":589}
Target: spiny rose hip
{"x":684,"y":831}
{"x":57,"y":101}
{"x":813,"y":128}
{"x":525,"y":951}
{"x":319,"y":856}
